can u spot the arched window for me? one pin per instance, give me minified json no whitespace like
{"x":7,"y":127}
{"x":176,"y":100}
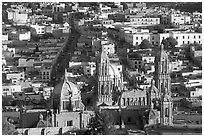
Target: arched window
{"x":139,"y":103}
{"x":128,"y":101}
{"x":144,"y":101}
{"x":123,"y":101}
{"x":136,"y":103}
{"x":166,"y":112}
{"x":102,"y":89}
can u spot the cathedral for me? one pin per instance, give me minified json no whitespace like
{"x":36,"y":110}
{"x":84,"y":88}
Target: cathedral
{"x":109,"y":79}
{"x":160,"y":101}
{"x":156,"y":99}
{"x":140,"y":107}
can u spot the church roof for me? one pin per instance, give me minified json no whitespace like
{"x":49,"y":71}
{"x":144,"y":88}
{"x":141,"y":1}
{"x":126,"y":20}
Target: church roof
{"x":66,"y":89}
{"x":103,"y":104}
{"x":43,"y":123}
{"x":113,"y":71}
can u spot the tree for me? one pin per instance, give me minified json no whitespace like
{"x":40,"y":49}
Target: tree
{"x":101,"y":123}
{"x":169,"y":43}
{"x":7,"y":127}
{"x":145,"y":44}
{"x":35,"y":38}
{"x":47,"y":36}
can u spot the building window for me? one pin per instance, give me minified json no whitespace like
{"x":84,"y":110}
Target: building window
{"x":194,"y":37}
{"x":123,"y":101}
{"x":166,"y":112}
{"x":176,"y":37}
{"x":128,"y":101}
{"x":144,"y":101}
{"x":188,"y":37}
{"x":129,"y":119}
{"x":199,"y":37}
{"x":69,"y":123}
{"x":183,"y":37}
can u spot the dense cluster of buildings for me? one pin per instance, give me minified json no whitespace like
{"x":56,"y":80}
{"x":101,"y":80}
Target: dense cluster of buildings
{"x":141,"y":88}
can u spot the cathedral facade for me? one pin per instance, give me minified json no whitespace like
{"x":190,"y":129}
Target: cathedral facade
{"x":163,"y":84}
{"x":109,"y":80}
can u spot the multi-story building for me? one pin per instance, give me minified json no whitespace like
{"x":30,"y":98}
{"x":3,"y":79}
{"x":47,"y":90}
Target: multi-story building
{"x":4,"y":36}
{"x":156,"y":39}
{"x":141,"y":61}
{"x":179,"y":19}
{"x":38,"y":29}
{"x":195,"y":51}
{"x":46,"y":72}
{"x":104,"y":9}
{"x":90,"y":69}
{"x":20,"y":35}
{"x":144,"y":21}
{"x":176,"y":65}
{"x":135,"y":39}
{"x":19,"y":15}
{"x":58,"y":7}
{"x":15,"y":75}
{"x":8,"y":89}
{"x":195,"y":92}
{"x":107,"y":23}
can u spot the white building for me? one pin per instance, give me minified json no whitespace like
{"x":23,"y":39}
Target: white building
{"x":136,"y":38}
{"x":179,"y":19}
{"x":4,"y":36}
{"x":38,"y":29}
{"x":182,"y":37}
{"x":176,"y":65}
{"x":90,"y":69}
{"x":17,"y":16}
{"x":58,"y":7}
{"x":9,"y":89}
{"x":196,"y":93}
{"x":104,"y":9}
{"x":15,"y":75}
{"x":144,"y":21}
{"x":15,"y":35}
{"x":24,"y":62}
{"x":3,"y":61}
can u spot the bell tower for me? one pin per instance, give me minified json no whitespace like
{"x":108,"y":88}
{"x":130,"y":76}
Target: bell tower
{"x":104,"y":80}
{"x":163,"y":83}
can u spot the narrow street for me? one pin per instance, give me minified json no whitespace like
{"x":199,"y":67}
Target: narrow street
{"x":62,"y":61}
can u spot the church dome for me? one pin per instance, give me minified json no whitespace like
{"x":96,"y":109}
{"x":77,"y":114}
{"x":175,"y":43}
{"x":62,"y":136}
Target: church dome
{"x":66,"y":89}
{"x":113,"y":71}
{"x":72,"y":88}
